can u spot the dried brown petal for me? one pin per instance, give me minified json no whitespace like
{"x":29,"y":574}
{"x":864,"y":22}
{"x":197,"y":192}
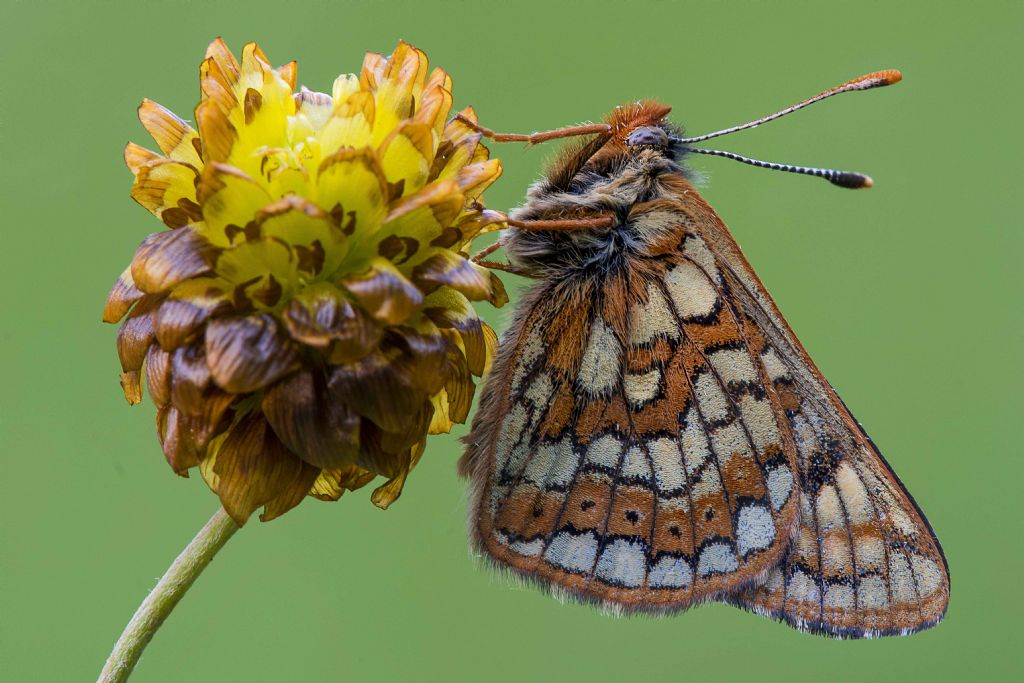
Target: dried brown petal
{"x":122,"y":295}
{"x":158,"y":375}
{"x":136,"y":334}
{"x":445,"y":267}
{"x":415,"y":428}
{"x":459,"y":386}
{"x":378,"y":389}
{"x":179,"y":448}
{"x":320,"y":316}
{"x":185,"y":311}
{"x":171,"y":256}
{"x":249,"y":352}
{"x":384,"y":292}
{"x":386,"y":494}
{"x":499,"y":297}
{"x":190,"y":377}
{"x":427,"y":369}
{"x":459,"y":316}
{"x":292,"y":494}
{"x":253,"y":467}
{"x":211,"y":419}
{"x":321,"y":431}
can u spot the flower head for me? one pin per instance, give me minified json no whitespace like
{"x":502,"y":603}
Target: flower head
{"x":304,"y":320}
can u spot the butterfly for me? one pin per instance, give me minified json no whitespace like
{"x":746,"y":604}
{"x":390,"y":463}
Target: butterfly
{"x":653,"y":435}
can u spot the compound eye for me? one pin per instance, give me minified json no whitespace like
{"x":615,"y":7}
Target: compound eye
{"x":652,"y":136}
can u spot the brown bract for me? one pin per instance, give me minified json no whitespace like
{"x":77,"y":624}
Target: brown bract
{"x":304,"y":320}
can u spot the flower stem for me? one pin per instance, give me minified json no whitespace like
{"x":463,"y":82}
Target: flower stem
{"x":168,"y":592}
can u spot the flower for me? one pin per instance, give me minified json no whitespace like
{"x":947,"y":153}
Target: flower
{"x":304,"y":322}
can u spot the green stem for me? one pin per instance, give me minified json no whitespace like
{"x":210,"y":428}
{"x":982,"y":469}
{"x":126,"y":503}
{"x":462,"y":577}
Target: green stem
{"x":168,"y":592}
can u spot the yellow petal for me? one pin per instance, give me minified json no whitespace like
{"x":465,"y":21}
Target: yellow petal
{"x":135,"y":157}
{"x":168,"y":186}
{"x":405,"y":156}
{"x":173,"y":136}
{"x":230,"y":200}
{"x":351,"y":125}
{"x":350,"y":185}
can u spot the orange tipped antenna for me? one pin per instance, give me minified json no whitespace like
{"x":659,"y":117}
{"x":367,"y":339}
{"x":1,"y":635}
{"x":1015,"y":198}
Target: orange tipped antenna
{"x":876,"y":79}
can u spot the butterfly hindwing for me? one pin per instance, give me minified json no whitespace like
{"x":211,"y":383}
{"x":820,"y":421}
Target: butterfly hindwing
{"x":629,"y":448}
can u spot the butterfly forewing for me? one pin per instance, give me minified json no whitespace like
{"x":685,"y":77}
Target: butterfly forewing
{"x":628,"y":448}
{"x":864,"y":560}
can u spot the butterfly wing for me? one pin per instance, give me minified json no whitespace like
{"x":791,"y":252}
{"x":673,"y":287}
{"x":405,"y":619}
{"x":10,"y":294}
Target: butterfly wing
{"x":865,"y":561}
{"x":628,"y":448}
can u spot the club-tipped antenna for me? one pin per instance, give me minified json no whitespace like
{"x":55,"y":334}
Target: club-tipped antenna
{"x":849,"y":179}
{"x":876,"y":79}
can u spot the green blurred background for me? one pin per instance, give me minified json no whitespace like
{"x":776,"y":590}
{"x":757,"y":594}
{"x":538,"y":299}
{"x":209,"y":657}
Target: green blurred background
{"x":907,"y":296}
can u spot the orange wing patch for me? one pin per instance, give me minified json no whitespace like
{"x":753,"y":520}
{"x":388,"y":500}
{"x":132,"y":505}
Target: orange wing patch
{"x":652,"y":468}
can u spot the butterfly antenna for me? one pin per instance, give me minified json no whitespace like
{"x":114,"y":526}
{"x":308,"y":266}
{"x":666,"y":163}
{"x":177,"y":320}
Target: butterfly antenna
{"x":867,"y":82}
{"x":848,"y":179}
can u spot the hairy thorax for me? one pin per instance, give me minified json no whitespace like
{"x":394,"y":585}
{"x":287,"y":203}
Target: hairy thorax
{"x":641,"y":190}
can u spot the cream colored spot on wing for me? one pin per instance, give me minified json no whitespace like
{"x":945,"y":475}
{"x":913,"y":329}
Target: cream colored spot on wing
{"x":869,"y":552}
{"x":716,"y":558}
{"x":695,"y":442}
{"x":713,"y":404}
{"x":512,"y":426}
{"x":572,"y":552}
{"x":623,"y":562}
{"x":540,"y":390}
{"x":755,"y":529}
{"x":668,"y":464}
{"x":670,"y":572}
{"x":553,"y":464}
{"x":642,"y":388}
{"x":774,"y":365}
{"x":733,"y":365}
{"x":830,"y":511}
{"x":636,"y":465}
{"x":599,"y":370}
{"x":854,"y":495}
{"x":780,"y":484}
{"x":839,"y":596}
{"x":692,"y":293}
{"x":696,"y":249}
{"x":709,"y":484}
{"x":802,"y":588}
{"x":835,"y":554}
{"x":759,"y":420}
{"x":872,"y":592}
{"x":515,"y":463}
{"x":774,"y":581}
{"x":605,"y":451}
{"x":900,"y":578}
{"x":929,"y":577}
{"x":530,"y":351}
{"x":528,"y":548}
{"x":728,"y":440}
{"x":902,"y":520}
{"x":653,"y":319}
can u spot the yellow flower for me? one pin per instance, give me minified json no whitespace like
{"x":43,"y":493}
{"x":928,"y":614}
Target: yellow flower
{"x":305,"y":321}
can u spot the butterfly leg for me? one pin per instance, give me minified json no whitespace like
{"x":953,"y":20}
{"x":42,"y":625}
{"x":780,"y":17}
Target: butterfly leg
{"x":535,"y":138}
